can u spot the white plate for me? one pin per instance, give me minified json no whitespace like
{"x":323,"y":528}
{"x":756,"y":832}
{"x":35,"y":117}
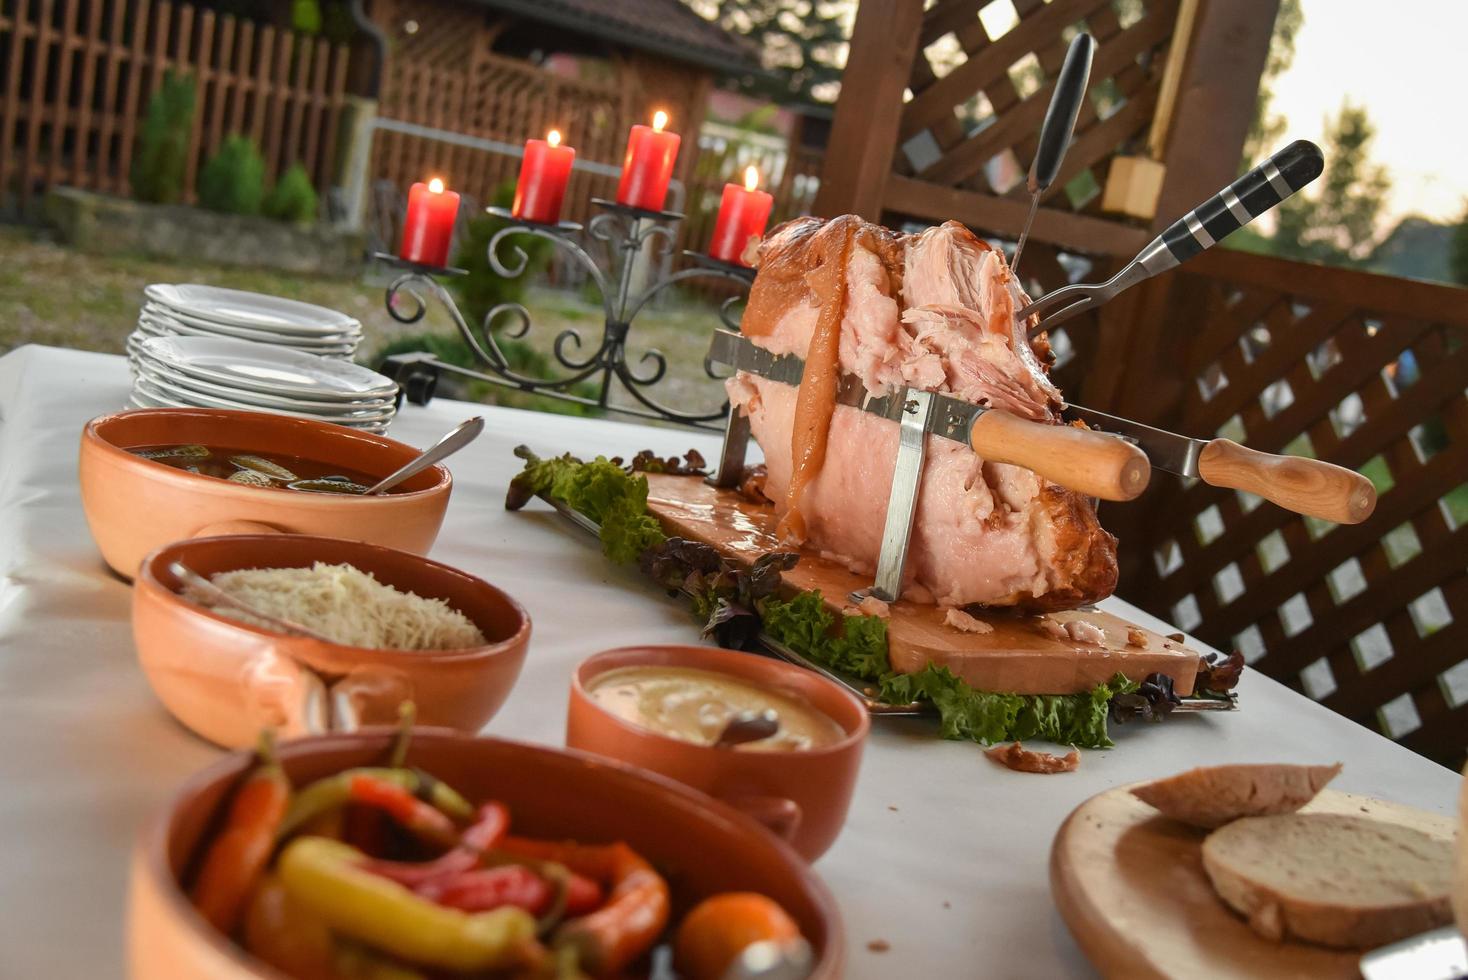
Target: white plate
{"x":165,"y":388}
{"x":162,"y":377}
{"x":245,"y":309}
{"x":169,"y":315}
{"x":151,"y":396}
{"x":267,"y":368}
{"x":159,"y":324}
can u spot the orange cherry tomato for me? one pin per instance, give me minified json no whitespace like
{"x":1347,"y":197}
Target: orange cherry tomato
{"x":719,"y":928}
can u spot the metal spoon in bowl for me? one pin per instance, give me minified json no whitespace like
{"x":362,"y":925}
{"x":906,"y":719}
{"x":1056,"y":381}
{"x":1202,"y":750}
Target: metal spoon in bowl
{"x":748,"y":726}
{"x":464,"y":434}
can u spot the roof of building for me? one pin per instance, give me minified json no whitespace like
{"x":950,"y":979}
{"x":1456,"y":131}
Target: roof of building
{"x":665,"y":27}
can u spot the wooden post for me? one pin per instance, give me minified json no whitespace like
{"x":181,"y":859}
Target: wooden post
{"x":1216,"y":101}
{"x":884,"y":42}
{"x":1148,"y":335}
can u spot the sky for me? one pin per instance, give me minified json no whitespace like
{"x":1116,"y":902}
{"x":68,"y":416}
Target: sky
{"x":1406,"y":62}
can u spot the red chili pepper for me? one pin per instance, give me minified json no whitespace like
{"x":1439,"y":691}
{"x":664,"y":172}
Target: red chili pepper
{"x":418,"y":818}
{"x":636,"y":910}
{"x":484,"y":889}
{"x":490,"y":825}
{"x":237,"y":857}
{"x":366,"y":828}
{"x":582,"y":896}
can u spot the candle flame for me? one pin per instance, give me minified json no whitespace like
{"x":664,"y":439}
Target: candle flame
{"x":435,"y":186}
{"x":659,"y":120}
{"x":553,"y":137}
{"x":751,"y":178}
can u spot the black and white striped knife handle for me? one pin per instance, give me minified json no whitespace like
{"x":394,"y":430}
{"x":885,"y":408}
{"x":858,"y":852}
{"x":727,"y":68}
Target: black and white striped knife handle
{"x":1242,"y":201}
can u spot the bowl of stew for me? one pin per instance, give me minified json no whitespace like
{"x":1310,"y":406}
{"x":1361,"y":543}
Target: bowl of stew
{"x":652,"y":856}
{"x":154,"y":476}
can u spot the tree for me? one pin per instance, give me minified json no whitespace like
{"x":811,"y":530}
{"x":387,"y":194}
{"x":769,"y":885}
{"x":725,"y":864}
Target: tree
{"x":802,"y":43}
{"x":1268,"y":128}
{"x":1336,"y":224}
{"x":1458,"y":260}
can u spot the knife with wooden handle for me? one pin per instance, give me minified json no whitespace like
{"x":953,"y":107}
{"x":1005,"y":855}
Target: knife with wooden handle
{"x":1091,"y":463}
{"x":1305,"y":486}
{"x":1075,"y":458}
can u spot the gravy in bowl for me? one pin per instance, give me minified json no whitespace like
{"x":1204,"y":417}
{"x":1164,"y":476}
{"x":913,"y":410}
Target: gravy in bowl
{"x":694,"y":705}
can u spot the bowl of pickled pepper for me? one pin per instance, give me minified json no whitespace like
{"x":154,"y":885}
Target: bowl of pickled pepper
{"x":440,"y":855}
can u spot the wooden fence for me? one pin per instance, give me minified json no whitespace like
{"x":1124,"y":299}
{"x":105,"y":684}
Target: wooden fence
{"x":78,"y":75}
{"x":1362,"y":370}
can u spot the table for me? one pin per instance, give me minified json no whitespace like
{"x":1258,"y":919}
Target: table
{"x":944,"y":856}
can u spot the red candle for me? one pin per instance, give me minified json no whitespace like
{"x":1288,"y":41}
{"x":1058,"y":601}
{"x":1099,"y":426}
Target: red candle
{"x":648,"y":166}
{"x":543,"y":176}
{"x":429,"y":224}
{"x":743,"y":213}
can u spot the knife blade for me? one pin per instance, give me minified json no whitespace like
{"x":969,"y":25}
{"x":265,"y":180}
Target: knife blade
{"x":1167,"y":450}
{"x":1306,"y":486}
{"x":952,"y":417}
{"x":1091,"y":463}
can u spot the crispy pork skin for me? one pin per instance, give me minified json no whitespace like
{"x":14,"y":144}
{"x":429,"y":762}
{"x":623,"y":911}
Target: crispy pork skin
{"x":934,"y":311}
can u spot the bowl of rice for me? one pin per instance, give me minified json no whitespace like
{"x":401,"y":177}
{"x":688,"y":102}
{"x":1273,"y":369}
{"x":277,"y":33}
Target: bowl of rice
{"x":391,"y":626}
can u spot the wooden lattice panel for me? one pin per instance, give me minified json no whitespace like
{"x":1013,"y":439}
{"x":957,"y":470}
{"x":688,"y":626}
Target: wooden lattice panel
{"x":983,"y":114}
{"x":1361,"y":370}
{"x":980,"y":83}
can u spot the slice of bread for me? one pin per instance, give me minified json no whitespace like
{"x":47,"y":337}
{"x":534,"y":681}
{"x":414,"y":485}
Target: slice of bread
{"x":1338,"y":880}
{"x":1211,"y":796}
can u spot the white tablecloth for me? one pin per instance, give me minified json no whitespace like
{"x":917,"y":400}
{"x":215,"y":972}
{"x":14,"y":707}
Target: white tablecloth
{"x":944,"y":855}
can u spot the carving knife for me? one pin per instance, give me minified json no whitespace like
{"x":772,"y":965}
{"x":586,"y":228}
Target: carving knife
{"x":1297,"y":483}
{"x":1090,"y":463}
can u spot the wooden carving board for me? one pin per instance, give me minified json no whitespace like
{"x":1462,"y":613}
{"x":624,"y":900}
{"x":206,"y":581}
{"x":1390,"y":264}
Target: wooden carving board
{"x":1017,"y":657}
{"x":1130,"y":884}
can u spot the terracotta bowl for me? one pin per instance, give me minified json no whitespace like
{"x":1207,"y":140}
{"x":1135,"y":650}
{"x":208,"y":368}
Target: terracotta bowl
{"x":226,"y":680}
{"x":802,"y":796}
{"x":134,"y":505}
{"x":701,"y":845}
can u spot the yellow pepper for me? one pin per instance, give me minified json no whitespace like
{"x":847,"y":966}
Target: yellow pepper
{"x":326,"y":878}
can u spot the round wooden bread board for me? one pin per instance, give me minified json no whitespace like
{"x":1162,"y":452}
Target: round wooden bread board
{"x":1130,"y":884}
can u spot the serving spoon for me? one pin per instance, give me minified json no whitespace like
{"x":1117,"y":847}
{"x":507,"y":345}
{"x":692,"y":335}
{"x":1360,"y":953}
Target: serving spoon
{"x":461,"y":436}
{"x":748,"y":726}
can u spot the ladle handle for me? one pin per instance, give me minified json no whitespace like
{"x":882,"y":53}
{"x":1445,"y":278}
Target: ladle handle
{"x":445,"y":447}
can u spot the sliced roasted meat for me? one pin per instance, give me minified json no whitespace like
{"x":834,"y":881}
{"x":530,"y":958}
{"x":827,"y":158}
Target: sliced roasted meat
{"x":934,"y":311}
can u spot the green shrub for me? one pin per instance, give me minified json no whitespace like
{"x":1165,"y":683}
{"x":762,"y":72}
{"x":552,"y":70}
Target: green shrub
{"x":292,"y":198}
{"x":233,"y":181}
{"x":306,"y":17}
{"x":157,"y":173}
{"x":482,"y":290}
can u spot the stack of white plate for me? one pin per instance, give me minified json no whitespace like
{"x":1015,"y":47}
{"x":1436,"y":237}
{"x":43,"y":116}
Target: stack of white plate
{"x":213,"y":372}
{"x":209,"y":311}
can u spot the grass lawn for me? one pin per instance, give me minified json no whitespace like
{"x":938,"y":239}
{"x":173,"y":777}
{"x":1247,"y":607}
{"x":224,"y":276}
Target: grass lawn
{"x":50,"y":294}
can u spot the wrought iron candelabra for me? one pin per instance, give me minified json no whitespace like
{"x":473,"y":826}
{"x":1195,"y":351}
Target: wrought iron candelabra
{"x":628,"y":231}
